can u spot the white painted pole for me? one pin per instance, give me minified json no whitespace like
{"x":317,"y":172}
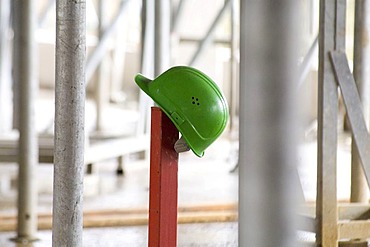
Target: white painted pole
{"x":25,"y":77}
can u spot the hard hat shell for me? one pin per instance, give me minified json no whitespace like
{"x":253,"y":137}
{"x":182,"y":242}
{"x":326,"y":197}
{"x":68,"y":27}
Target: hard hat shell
{"x":192,"y":101}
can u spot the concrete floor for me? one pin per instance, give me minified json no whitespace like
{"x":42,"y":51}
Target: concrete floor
{"x":189,"y":235}
{"x":205,"y":181}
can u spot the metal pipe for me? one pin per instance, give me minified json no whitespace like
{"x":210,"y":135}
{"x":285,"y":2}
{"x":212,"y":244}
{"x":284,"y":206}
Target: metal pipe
{"x":15,"y":26}
{"x":162,"y":45}
{"x":100,"y":88}
{"x":234,"y":80}
{"x":5,"y":74}
{"x":361,"y":73}
{"x":307,"y":61}
{"x":177,"y":15}
{"x":45,"y":12}
{"x":208,"y":37}
{"x":267,"y":137}
{"x":26,"y":77}
{"x":98,"y":53}
{"x":147,"y":63}
{"x":69,"y":122}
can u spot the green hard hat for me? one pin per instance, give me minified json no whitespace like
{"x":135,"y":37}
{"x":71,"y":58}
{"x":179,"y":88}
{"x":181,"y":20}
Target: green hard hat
{"x":192,"y":101}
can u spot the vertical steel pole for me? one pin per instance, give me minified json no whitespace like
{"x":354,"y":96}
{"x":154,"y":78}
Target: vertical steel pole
{"x":147,"y":63}
{"x":69,"y":122}
{"x":5,"y":77}
{"x":103,"y":79}
{"x":25,"y":76}
{"x":361,"y":73}
{"x":267,"y":138}
{"x":234,"y":80}
{"x":331,"y":37}
{"x":162,"y":36}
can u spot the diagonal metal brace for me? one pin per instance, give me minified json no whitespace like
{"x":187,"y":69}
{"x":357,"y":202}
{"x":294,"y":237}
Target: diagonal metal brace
{"x":353,"y":106}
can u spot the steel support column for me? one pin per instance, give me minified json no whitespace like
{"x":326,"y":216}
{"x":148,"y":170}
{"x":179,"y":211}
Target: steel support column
{"x":361,"y":73}
{"x":268,"y":126}
{"x":69,"y":122}
{"x":25,"y":76}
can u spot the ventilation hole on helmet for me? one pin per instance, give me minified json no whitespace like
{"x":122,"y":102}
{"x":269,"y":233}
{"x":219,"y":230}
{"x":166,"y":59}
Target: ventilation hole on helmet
{"x":198,"y":103}
{"x":193,"y":102}
{"x":196,"y":99}
{"x":192,"y":97}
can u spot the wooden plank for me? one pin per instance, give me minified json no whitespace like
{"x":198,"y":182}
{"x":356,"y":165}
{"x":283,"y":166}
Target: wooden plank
{"x":133,"y":217}
{"x":353,"y":106}
{"x":346,"y":211}
{"x":163,"y":181}
{"x":331,"y":37}
{"x":359,"y":229}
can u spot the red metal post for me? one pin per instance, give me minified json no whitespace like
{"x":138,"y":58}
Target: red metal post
{"x":163,"y":181}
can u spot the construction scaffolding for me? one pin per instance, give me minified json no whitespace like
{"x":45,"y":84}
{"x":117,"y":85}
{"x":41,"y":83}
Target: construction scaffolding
{"x":263,"y":109}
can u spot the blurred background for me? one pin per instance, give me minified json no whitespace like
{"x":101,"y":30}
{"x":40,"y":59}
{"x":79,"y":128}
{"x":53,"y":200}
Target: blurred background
{"x":120,"y":43}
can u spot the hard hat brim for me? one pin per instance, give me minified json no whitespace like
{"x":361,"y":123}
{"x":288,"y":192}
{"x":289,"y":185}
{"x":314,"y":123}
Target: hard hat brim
{"x":143,"y":83}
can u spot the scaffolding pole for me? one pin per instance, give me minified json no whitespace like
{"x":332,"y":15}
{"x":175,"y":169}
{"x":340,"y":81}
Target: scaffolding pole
{"x":69,"y":122}
{"x":162,"y":19}
{"x":361,"y":73}
{"x":5,"y":76}
{"x":147,"y":63}
{"x":267,"y":123}
{"x":26,"y":78}
{"x":101,"y":86}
